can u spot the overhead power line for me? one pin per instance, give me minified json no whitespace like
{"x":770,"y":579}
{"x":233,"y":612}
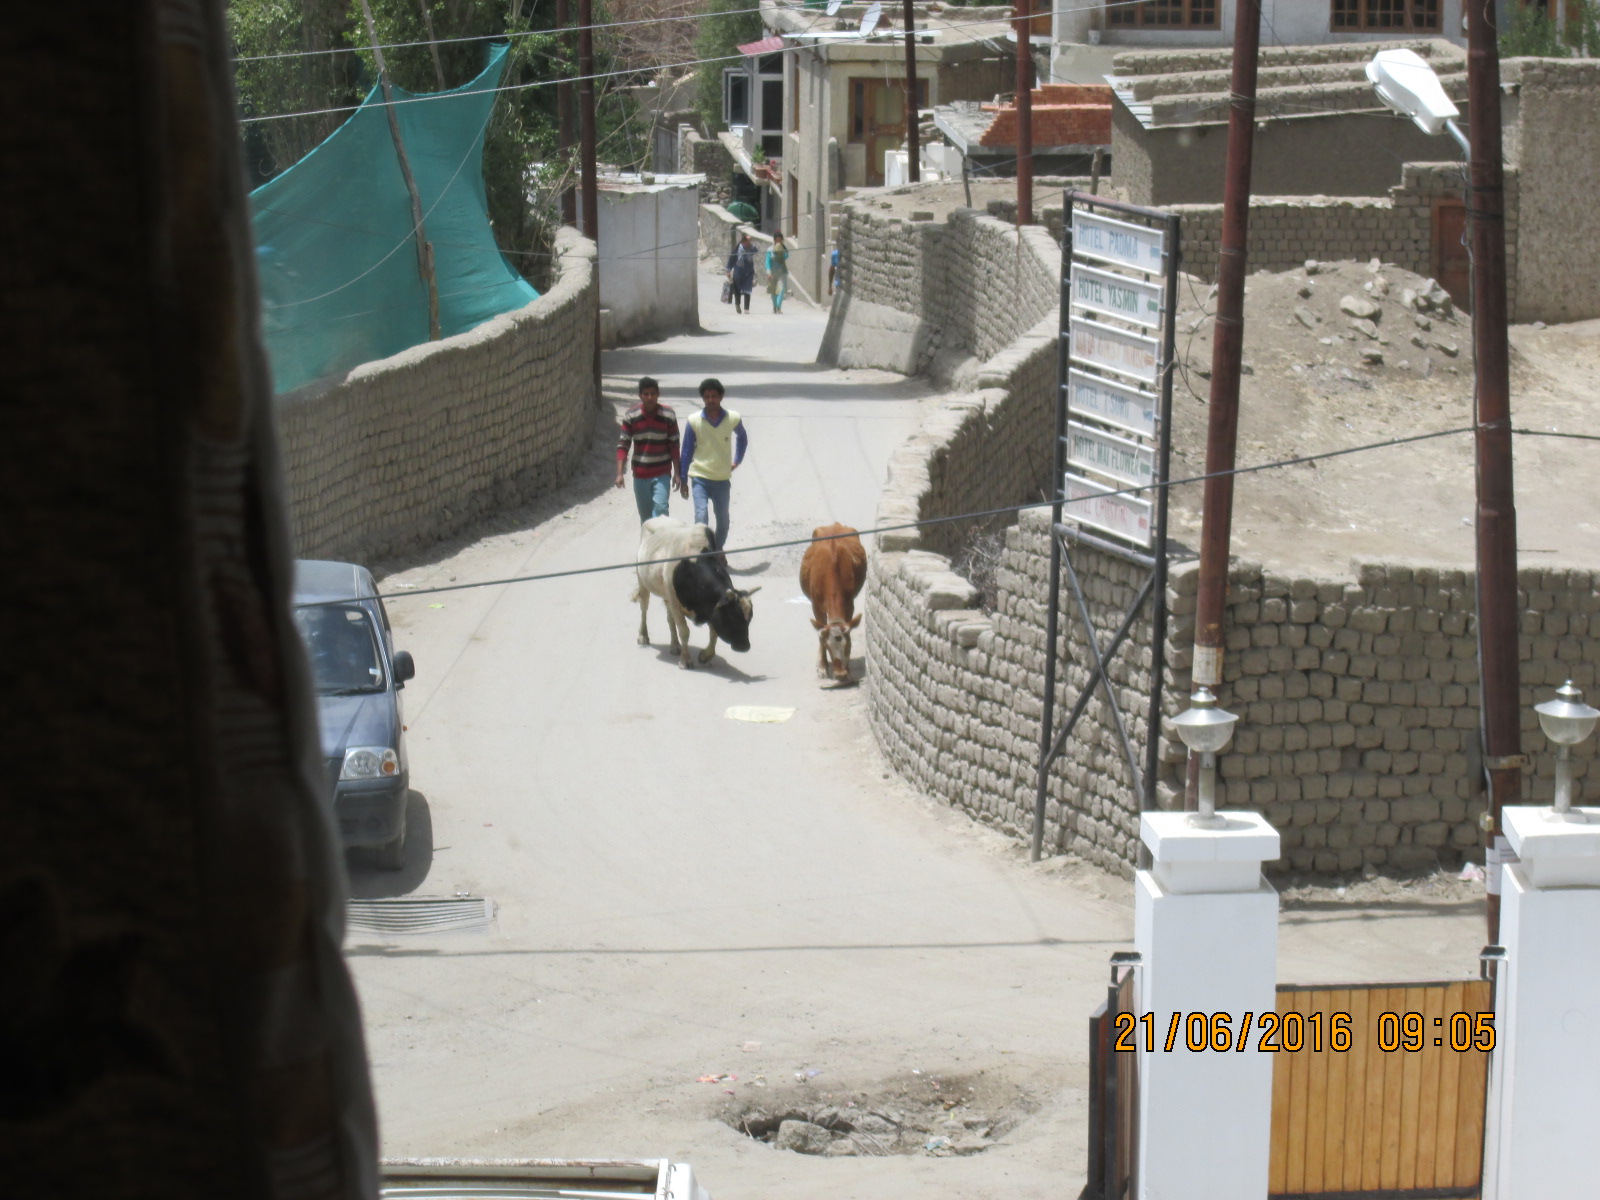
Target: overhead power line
{"x":1004,"y":510}
{"x":693,"y":62}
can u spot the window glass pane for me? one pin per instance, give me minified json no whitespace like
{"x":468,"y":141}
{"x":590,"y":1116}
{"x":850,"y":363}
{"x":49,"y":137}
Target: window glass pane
{"x":772,"y":104}
{"x":1347,"y":14}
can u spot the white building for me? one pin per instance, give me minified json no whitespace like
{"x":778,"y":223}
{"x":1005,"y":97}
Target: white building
{"x":1087,"y":37}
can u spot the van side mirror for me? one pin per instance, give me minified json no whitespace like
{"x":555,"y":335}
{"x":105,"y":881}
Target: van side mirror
{"x":405,"y":666}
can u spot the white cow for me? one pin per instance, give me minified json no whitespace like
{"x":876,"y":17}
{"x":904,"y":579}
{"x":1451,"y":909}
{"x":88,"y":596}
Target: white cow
{"x":696,"y":588}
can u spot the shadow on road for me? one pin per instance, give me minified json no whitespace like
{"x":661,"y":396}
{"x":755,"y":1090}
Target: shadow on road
{"x":367,"y":882}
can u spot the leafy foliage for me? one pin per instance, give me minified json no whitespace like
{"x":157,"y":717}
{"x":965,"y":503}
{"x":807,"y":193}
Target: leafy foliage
{"x":524,"y":172}
{"x":1533,"y":34}
{"x":722,"y":29}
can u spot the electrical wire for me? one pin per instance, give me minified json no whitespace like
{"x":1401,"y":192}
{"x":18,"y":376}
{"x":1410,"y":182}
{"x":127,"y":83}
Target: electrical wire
{"x":553,"y":31}
{"x":695,"y":62}
{"x":1003,"y":510}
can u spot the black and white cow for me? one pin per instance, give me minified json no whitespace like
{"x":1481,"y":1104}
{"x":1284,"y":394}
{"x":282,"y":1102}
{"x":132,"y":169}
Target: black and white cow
{"x":697,"y":588}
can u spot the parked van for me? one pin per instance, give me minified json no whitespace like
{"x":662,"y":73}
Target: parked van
{"x":358,"y":676}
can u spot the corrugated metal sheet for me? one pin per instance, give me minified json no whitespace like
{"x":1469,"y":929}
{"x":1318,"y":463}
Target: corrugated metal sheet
{"x":420,"y":914}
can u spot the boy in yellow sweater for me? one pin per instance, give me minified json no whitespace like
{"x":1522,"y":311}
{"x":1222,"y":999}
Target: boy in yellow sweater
{"x":714,"y":442}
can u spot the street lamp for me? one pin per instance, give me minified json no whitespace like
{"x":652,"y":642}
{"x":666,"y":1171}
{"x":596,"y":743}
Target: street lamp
{"x":1566,"y":721}
{"x":1407,"y":84}
{"x":1205,"y":729}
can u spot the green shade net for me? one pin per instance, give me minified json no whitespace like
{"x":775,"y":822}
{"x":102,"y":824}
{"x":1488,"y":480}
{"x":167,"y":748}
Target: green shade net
{"x":334,"y":236}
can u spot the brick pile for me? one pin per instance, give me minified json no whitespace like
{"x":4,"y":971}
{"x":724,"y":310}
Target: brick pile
{"x":1063,"y":115}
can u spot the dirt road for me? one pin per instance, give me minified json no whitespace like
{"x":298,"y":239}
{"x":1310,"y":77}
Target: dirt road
{"x":682,"y":895}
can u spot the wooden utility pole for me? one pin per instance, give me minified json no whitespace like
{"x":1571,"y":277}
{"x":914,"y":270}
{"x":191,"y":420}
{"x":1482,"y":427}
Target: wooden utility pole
{"x":586,"y":136}
{"x":424,"y":247}
{"x":1020,"y":21}
{"x":1500,"y":683}
{"x":565,"y":135}
{"x":913,"y":128}
{"x":1227,"y":351}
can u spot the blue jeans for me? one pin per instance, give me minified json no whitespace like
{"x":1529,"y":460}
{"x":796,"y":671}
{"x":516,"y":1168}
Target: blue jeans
{"x":651,"y":496}
{"x":714,"y":492}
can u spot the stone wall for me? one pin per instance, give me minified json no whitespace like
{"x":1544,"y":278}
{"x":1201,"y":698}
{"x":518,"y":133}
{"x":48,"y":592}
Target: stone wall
{"x":1357,"y":697}
{"x":1358,"y":700}
{"x":1552,"y":123}
{"x":937,"y":297}
{"x":410,"y":449}
{"x":708,"y":157}
{"x":1286,"y":231}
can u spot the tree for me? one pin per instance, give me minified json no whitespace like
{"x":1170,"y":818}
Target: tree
{"x":724,"y":27}
{"x":522,"y":168}
{"x":1533,"y":34}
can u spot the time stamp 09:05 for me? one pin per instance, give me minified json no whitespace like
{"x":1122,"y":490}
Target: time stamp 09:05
{"x":1275,"y":1032}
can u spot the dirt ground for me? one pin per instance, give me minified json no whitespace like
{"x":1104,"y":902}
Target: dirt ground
{"x":1319,"y":379}
{"x":765,"y":924}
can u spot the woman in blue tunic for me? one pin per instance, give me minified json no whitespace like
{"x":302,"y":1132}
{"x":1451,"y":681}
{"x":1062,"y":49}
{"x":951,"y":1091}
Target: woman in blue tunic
{"x":742,"y":271}
{"x":778,"y":272}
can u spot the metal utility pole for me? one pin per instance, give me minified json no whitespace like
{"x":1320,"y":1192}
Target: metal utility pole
{"x":1024,"y":119}
{"x":1227,"y":349}
{"x":913,"y":129}
{"x":565,"y":134}
{"x":586,"y":137}
{"x":424,"y":247}
{"x":1500,"y":683}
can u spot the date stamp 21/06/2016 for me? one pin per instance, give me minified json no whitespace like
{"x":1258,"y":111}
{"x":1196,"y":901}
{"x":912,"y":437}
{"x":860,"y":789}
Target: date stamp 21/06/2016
{"x":1292,"y":1032}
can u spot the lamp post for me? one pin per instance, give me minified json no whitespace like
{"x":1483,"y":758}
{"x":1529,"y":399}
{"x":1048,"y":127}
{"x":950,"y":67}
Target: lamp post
{"x":1205,"y":729}
{"x":1566,"y":721}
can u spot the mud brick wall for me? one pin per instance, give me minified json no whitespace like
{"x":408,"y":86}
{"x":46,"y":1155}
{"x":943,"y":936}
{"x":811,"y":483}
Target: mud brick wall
{"x":1552,"y":124}
{"x":937,"y":298}
{"x":1357,"y":697}
{"x":954,"y":693}
{"x":1285,"y":231}
{"x":410,"y":449}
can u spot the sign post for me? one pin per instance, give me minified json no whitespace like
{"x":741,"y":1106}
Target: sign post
{"x":1119,"y":290}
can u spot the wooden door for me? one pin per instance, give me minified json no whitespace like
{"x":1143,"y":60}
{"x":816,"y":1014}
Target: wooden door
{"x":1452,"y":266}
{"x":878,"y":119}
{"x":1397,"y":1108}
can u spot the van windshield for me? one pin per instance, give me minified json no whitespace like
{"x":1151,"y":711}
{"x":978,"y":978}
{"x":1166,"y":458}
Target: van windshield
{"x":343,"y":648}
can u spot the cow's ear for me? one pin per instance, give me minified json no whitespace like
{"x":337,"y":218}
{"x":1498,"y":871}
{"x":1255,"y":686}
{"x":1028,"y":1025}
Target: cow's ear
{"x":816,"y":624}
{"x":855,"y":620}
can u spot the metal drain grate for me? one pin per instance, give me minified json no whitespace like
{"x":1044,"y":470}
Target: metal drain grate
{"x":420,"y":914}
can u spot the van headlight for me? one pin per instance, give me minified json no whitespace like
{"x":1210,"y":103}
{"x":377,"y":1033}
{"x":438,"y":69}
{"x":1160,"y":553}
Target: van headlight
{"x":369,"y":762}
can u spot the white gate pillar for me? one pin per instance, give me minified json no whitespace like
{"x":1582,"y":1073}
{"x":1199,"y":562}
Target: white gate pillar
{"x":1206,"y":925}
{"x":1544,"y":1089}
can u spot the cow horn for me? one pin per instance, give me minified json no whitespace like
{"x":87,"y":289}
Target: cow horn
{"x":755,"y":589}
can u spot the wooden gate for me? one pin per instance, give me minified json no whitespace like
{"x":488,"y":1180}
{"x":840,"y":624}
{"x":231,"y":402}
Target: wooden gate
{"x":1399,"y":1112}
{"x":1113,"y":1093}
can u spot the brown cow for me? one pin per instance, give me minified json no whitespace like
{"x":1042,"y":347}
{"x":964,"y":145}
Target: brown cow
{"x":831,"y":575}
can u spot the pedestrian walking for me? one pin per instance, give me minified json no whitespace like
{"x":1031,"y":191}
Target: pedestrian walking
{"x":742,"y":271}
{"x":778,"y":272}
{"x":650,"y":428}
{"x":714,"y":442}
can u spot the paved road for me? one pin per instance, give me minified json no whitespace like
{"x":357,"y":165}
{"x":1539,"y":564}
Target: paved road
{"x":674,"y":885}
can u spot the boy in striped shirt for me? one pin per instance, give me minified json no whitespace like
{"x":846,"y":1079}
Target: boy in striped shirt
{"x":651,"y":429}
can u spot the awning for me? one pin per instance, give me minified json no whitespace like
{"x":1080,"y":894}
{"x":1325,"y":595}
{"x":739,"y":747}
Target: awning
{"x":765,"y":46}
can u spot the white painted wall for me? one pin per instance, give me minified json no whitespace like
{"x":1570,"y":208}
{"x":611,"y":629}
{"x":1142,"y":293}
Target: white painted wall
{"x":649,"y":239}
{"x":1283,"y":22}
{"x":1544,"y":1086}
{"x":1206,"y":925}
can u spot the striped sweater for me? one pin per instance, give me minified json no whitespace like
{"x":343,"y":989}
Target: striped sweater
{"x":654,"y":440}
